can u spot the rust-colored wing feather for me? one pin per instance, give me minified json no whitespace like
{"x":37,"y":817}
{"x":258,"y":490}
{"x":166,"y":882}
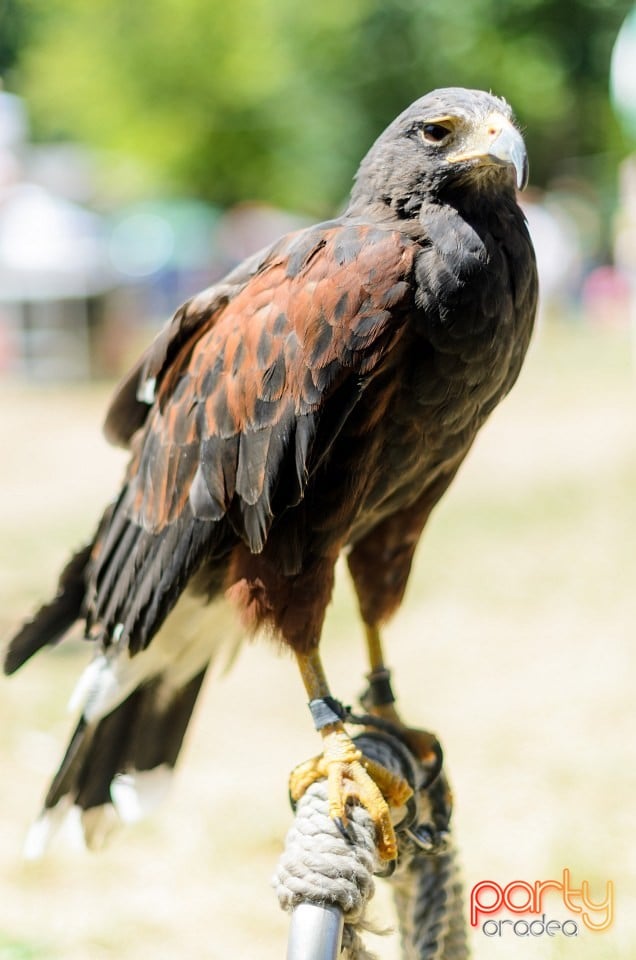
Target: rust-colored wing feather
{"x":240,"y":387}
{"x":133,"y":398}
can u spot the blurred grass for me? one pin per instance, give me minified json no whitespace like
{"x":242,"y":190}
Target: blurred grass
{"x":13,"y":950}
{"x":515,"y":645}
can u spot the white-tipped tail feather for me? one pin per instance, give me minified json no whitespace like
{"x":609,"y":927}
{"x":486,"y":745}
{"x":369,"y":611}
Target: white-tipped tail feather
{"x":193,"y":636}
{"x":134,"y":713}
{"x":65,"y":820}
{"x":137,"y":794}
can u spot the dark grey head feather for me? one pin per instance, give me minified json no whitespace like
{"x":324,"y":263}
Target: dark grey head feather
{"x":401,"y":169}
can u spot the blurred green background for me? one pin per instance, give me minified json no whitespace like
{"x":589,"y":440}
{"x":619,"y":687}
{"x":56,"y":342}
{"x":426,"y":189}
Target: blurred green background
{"x":195,"y":131}
{"x":276,"y":100}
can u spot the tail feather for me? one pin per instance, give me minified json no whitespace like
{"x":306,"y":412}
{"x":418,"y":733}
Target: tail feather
{"x":98,"y":759}
{"x":52,"y":620}
{"x":117,"y":768}
{"x":73,"y":760}
{"x":158,"y":734}
{"x":136,"y":698}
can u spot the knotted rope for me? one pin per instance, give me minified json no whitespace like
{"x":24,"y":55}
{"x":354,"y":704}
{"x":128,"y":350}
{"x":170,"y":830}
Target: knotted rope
{"x":319,"y":866}
{"x":429,"y":903}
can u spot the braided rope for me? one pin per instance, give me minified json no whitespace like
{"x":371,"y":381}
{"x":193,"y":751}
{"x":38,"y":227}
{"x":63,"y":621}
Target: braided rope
{"x":429,"y":903}
{"x":319,"y":866}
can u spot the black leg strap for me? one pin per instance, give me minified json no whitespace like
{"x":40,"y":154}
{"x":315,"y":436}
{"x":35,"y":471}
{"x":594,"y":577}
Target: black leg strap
{"x":379,"y":692}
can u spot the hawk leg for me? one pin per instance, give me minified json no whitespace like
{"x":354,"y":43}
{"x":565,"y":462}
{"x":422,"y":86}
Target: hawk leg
{"x":350,"y":775}
{"x":379,"y":700}
{"x":380,"y":564}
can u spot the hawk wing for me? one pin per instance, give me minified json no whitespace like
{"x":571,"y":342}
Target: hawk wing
{"x":241,"y":385}
{"x":233,"y":407}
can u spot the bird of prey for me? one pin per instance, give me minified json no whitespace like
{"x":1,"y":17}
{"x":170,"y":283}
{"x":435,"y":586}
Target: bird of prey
{"x":318,"y":400}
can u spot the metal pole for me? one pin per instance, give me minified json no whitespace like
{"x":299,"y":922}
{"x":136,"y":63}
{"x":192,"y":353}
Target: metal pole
{"x":315,"y":932}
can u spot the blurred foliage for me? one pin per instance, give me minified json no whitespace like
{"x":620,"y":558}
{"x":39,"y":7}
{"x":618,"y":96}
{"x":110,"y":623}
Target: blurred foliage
{"x":277,"y":100}
{"x":14,"y":21}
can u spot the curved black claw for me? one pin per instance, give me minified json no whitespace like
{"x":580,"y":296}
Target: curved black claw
{"x":410,"y":816}
{"x":386,"y":870}
{"x":428,"y":839}
{"x":344,"y":831}
{"x":388,"y":866}
{"x":433,"y":772}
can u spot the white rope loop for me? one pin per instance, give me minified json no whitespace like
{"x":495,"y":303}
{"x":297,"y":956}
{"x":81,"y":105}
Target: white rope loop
{"x":319,"y":866}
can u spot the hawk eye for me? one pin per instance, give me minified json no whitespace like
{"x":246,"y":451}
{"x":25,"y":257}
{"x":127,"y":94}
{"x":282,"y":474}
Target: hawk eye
{"x":435,"y":132}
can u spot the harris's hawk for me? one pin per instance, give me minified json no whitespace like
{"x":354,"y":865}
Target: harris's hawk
{"x":319,"y":399}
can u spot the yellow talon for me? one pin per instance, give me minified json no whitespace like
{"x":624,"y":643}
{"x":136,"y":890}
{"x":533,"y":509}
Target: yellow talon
{"x":351,"y":776}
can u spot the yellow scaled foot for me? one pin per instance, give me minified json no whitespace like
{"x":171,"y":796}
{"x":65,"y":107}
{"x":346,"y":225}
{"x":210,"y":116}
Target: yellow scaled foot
{"x":351,"y":776}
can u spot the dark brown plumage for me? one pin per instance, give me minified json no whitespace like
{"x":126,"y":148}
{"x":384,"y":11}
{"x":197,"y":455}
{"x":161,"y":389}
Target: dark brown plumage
{"x":322,"y":397}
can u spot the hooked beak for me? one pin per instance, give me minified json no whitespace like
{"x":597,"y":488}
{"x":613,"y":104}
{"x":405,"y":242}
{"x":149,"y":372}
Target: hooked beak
{"x":498,"y":143}
{"x":508,"y":147}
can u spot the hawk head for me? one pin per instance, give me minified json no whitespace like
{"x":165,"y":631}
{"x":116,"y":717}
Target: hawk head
{"x":451,"y":138}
